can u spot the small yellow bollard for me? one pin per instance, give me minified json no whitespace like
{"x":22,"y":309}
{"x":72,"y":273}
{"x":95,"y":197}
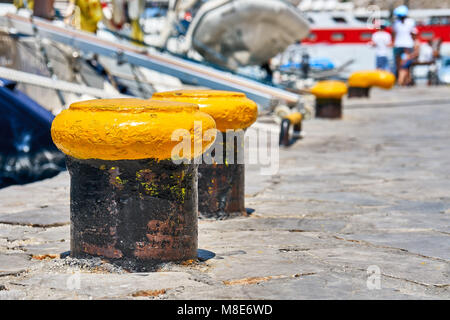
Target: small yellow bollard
{"x":295,"y":120}
{"x":329,"y":95}
{"x":221,"y":183}
{"x":383,"y":79}
{"x":129,"y":201}
{"x":360,"y":82}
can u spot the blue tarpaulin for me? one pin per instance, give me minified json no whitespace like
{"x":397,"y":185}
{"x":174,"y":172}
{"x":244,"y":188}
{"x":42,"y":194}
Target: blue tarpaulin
{"x":27,"y":152}
{"x":319,"y":64}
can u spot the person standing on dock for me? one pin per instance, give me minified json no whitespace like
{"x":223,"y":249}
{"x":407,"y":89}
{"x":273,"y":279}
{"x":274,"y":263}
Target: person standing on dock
{"x":408,"y":60}
{"x":402,"y":30}
{"x":381,"y":41}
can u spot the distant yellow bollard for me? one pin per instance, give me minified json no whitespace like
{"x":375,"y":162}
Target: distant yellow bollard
{"x":221,"y":183}
{"x":329,"y":95}
{"x":295,"y":120}
{"x":383,"y":79}
{"x":129,"y":201}
{"x":360,"y":82}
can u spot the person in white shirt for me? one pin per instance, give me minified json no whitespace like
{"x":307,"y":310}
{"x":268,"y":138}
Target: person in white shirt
{"x":426,"y":54}
{"x":402,"y":31}
{"x":381,"y":41}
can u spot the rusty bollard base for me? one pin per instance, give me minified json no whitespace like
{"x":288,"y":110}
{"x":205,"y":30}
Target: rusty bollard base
{"x":139,"y":212}
{"x":130,"y":202}
{"x":329,"y":95}
{"x":358,"y":92}
{"x":222,"y":183}
{"x":221,"y":187}
{"x":328,"y":108}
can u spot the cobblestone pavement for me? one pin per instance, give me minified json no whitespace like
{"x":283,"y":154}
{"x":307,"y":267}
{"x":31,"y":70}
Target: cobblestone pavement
{"x":367,"y":193}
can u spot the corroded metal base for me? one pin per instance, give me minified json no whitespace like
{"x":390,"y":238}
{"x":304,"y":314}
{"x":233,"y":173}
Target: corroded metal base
{"x":328,"y":108}
{"x":221,"y":191}
{"x":221,"y":187}
{"x":139,"y":212}
{"x":357,"y":92}
{"x":285,"y":139}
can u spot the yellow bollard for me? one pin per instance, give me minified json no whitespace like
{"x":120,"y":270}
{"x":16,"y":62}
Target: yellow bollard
{"x":329,"y":95}
{"x":295,"y":120}
{"x":221,"y":183}
{"x":360,"y":82}
{"x":383,"y":79}
{"x":129,"y":201}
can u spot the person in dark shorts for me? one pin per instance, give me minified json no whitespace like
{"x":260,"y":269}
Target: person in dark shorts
{"x":408,"y":59}
{"x":402,"y":33}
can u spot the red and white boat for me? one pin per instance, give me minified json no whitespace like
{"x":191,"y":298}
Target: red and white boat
{"x":345,"y":33}
{"x":356,"y":27}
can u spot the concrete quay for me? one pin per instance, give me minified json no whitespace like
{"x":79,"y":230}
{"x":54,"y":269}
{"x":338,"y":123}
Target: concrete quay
{"x":358,"y":200}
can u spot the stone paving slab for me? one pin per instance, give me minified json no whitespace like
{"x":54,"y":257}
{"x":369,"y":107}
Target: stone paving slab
{"x":324,"y":285}
{"x":48,"y":216}
{"x":422,"y":242}
{"x":14,"y":232}
{"x":13,"y":263}
{"x":382,"y":98}
{"x":45,"y":249}
{"x":368,"y":191}
{"x":37,"y":195}
{"x":108,"y":286}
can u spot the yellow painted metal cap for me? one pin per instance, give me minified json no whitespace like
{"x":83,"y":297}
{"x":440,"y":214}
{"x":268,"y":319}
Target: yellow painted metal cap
{"x":330,"y":89}
{"x":230,"y":110}
{"x":370,"y":78}
{"x":127,"y":129}
{"x":295,"y":117}
{"x":384,"y":79}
